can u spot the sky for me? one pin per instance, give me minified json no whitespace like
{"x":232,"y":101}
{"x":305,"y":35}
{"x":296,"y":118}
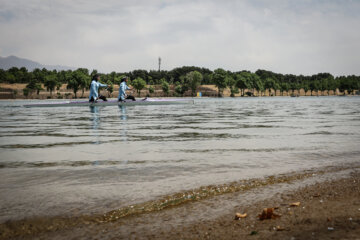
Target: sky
{"x":284,"y":36}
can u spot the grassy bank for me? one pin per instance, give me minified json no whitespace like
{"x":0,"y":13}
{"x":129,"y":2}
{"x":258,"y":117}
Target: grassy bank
{"x":16,"y":91}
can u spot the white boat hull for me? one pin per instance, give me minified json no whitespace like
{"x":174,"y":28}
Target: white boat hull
{"x":113,"y":103}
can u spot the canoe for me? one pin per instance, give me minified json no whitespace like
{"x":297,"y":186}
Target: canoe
{"x":149,"y":101}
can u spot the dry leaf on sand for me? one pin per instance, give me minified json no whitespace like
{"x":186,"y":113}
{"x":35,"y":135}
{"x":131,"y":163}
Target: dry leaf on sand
{"x":240,"y":215}
{"x":294,"y":204}
{"x":268,"y":213}
{"x":278,"y":228}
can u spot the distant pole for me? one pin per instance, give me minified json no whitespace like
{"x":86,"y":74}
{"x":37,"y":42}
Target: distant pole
{"x":159,"y":63}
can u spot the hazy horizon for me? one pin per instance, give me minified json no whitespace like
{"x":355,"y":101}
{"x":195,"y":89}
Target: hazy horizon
{"x":283,"y":36}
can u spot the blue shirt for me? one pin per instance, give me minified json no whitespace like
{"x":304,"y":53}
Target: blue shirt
{"x":122,"y":89}
{"x":94,"y":89}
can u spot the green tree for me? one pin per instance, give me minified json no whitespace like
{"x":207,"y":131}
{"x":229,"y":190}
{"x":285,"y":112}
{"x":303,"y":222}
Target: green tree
{"x":151,"y":90}
{"x":138,"y":84}
{"x":33,"y":85}
{"x":349,"y":83}
{"x":74,"y":82}
{"x":333,"y":84}
{"x":84,"y":83}
{"x":181,"y":88}
{"x":110,"y":87}
{"x":193,"y":79}
{"x":249,"y":80}
{"x":112,"y":77}
{"x":241,"y":83}
{"x":271,"y":84}
{"x":93,"y":72}
{"x":306,"y":87}
{"x":178,"y":89}
{"x":219,"y":79}
{"x":231,"y":82}
{"x":295,"y":86}
{"x":314,"y":86}
{"x":324,"y":85}
{"x":2,"y":75}
{"x":151,"y":82}
{"x":165,"y":87}
{"x":26,"y":92}
{"x":85,"y":71}
{"x":82,"y":77}
{"x":284,"y":87}
{"x":63,"y":76}
{"x":9,"y":78}
{"x":14,"y":71}
{"x":258,"y":85}
{"x":51,"y":83}
{"x":38,"y":88}
{"x":139,"y":73}
{"x":39,"y":75}
{"x":79,"y":80}
{"x":74,"y":85}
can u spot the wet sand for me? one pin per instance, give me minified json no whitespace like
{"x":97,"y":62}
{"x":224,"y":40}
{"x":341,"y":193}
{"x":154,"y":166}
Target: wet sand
{"x":329,"y":209}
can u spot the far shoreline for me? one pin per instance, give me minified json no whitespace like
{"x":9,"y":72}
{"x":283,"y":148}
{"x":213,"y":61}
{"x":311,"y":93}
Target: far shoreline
{"x":15,"y":91}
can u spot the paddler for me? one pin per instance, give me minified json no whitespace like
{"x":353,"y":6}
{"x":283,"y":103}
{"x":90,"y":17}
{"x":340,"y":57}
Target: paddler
{"x":122,"y":91}
{"x":94,"y":89}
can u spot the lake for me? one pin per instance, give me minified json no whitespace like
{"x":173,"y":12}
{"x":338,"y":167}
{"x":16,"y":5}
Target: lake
{"x":76,"y":160}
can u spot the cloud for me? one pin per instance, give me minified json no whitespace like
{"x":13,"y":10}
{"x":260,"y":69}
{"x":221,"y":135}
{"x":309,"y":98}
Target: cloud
{"x":299,"y":37}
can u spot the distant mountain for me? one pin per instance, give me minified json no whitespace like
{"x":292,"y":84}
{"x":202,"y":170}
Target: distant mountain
{"x":13,"y":61}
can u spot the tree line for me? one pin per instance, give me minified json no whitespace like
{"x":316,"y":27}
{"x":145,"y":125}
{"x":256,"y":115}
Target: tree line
{"x":184,"y":79}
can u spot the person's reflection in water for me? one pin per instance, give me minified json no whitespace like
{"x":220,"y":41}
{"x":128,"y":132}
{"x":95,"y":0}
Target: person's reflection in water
{"x":123,"y":125}
{"x":95,"y":122}
{"x":123,"y":115}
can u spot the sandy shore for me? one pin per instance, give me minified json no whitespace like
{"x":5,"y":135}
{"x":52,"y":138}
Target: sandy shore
{"x":329,"y":209}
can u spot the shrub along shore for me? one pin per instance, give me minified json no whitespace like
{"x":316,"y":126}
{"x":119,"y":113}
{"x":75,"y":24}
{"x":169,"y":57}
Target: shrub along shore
{"x":16,"y":91}
{"x":179,"y":82}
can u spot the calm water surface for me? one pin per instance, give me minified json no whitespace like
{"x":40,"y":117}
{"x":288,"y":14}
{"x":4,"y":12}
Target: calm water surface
{"x":56,"y":161}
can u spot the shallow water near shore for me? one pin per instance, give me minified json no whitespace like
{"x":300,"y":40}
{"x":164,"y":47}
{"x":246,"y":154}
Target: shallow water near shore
{"x":75,"y":160}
